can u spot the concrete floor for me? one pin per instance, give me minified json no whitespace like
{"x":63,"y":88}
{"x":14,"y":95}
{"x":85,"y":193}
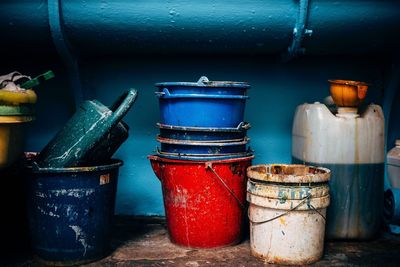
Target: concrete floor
{"x":144,"y":242}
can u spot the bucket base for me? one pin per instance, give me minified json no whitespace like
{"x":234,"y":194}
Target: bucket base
{"x":278,"y":260}
{"x":42,"y":261}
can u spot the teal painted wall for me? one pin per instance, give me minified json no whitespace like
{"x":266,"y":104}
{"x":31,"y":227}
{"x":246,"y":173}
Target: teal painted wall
{"x":277,"y":89}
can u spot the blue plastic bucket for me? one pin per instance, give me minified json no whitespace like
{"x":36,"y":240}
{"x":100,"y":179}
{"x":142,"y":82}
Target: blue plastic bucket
{"x":195,"y":110}
{"x":70,"y":212}
{"x":203,"y":133}
{"x":205,"y":86}
{"x":202,"y":148}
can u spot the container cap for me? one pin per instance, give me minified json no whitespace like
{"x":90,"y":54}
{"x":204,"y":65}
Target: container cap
{"x":397,"y":143}
{"x":19,"y":110}
{"x":204,"y":82}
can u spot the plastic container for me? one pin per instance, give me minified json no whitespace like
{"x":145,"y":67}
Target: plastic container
{"x":202,"y":147}
{"x":393,"y":165}
{"x":204,"y":200}
{"x":351,"y":145}
{"x":203,"y":133}
{"x":12,"y":132}
{"x":70,"y":212}
{"x":198,"y":110}
{"x":204,"y":86}
{"x":88,"y":128}
{"x":287,"y":212}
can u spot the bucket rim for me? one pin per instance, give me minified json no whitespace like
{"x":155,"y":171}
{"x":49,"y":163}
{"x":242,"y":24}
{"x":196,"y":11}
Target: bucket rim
{"x":212,"y":161}
{"x":200,"y":96}
{"x":203,"y":157}
{"x":296,"y":173}
{"x":114,"y":163}
{"x":210,"y":84}
{"x":243,"y":126}
{"x":219,"y":143}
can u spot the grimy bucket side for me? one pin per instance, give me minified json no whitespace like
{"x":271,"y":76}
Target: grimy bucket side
{"x":70,"y":212}
{"x":287,"y":212}
{"x":204,"y":200}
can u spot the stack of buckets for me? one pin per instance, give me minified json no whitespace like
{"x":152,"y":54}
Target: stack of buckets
{"x":202,"y":161}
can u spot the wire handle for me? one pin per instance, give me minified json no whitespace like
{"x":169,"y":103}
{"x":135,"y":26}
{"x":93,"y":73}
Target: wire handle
{"x":209,"y":166}
{"x":304,"y":200}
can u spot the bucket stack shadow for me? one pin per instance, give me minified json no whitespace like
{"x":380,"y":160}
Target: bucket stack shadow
{"x":202,"y":160}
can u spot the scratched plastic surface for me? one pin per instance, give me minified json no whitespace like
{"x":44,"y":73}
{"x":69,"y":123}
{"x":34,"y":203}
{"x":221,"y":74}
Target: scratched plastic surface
{"x":70,"y":213}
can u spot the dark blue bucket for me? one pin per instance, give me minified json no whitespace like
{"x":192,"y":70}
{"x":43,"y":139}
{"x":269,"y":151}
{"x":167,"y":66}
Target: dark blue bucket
{"x":204,"y":86}
{"x":202,"y":148}
{"x":196,"y":110}
{"x":71,"y":211}
{"x":203,"y":133}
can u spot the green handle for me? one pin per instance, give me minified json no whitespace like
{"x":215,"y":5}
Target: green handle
{"x":36,"y":81}
{"x":123,"y":104}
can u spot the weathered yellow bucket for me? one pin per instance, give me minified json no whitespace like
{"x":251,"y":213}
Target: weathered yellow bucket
{"x":12,"y":124}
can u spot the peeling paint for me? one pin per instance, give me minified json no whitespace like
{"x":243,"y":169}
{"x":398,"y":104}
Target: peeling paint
{"x":80,"y":236}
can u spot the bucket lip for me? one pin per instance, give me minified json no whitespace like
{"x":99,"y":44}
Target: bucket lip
{"x":156,"y":157}
{"x":219,"y":143}
{"x":197,"y":96}
{"x":196,"y":157}
{"x":347,"y":82}
{"x":262,"y":172}
{"x":114,"y":163}
{"x":242,"y":127}
{"x":210,"y":84}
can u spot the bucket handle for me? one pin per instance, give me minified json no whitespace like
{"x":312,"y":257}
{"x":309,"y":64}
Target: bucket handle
{"x":304,"y":200}
{"x":209,"y":166}
{"x":123,"y":104}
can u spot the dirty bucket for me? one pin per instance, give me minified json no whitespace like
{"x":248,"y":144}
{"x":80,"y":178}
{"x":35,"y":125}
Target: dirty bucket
{"x":198,"y":110}
{"x":205,"y":86}
{"x":204,"y":200}
{"x":70,"y":212}
{"x":88,"y":127}
{"x":12,"y":133}
{"x":203,"y":133}
{"x":203,"y":147}
{"x":287,"y":212}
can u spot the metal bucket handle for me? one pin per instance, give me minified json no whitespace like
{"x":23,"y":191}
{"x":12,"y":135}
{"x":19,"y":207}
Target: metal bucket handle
{"x":209,"y":166}
{"x":306,"y":199}
{"x":123,"y":104}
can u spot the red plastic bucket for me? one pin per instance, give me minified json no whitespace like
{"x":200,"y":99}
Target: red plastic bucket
{"x":204,"y":200}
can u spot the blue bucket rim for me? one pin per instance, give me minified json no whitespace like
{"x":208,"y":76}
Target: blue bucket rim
{"x":219,"y":143}
{"x":114,"y":163}
{"x":243,"y":126}
{"x":214,"y":84}
{"x":204,"y":82}
{"x":163,"y":95}
{"x":203,"y":158}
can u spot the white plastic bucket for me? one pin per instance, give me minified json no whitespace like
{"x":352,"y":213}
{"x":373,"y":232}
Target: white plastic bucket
{"x":287,"y":212}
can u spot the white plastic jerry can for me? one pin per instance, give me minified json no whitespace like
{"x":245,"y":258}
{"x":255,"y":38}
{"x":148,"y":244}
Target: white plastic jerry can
{"x":351,"y":145}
